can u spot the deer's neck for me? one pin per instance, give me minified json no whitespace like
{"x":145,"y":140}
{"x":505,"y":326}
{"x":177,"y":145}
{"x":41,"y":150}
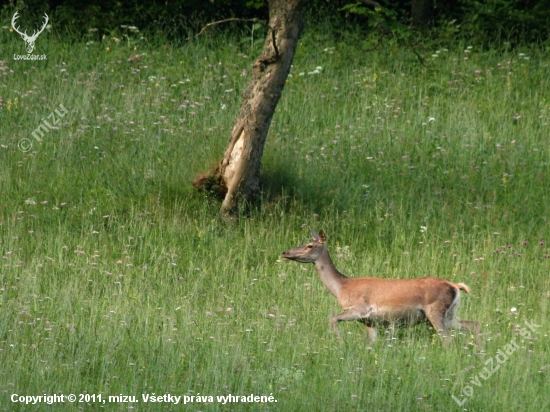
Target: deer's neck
{"x":331,"y":278}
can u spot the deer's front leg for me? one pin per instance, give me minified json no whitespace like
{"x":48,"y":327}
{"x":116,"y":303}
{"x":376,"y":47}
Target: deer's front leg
{"x":371,"y":330}
{"x":350,"y":314}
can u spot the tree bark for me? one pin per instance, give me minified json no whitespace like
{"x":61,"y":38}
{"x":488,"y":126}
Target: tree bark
{"x":421,"y":12}
{"x":237,"y":176}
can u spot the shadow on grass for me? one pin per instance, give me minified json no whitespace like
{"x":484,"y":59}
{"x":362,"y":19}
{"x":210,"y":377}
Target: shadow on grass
{"x":282,"y":185}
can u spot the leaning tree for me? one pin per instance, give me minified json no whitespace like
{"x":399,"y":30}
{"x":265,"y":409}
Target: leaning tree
{"x":236,"y":178}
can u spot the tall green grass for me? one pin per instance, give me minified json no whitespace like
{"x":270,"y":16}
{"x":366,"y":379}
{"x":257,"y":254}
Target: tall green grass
{"x":117,"y":278}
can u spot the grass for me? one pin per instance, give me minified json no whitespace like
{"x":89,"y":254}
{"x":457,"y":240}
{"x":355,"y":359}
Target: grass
{"x":117,"y":278}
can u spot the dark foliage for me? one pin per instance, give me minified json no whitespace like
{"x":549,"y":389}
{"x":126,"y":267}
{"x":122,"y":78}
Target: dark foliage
{"x":487,"y":21}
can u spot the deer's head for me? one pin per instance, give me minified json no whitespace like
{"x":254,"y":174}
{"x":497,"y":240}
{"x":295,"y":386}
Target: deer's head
{"x":29,"y":40}
{"x":310,"y":251}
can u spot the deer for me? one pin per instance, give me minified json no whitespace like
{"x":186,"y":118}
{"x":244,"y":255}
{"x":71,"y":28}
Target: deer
{"x":377,"y":301}
{"x":29,"y":40}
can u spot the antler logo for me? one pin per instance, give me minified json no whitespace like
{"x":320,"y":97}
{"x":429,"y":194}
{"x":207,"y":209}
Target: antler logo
{"x":29,"y":40}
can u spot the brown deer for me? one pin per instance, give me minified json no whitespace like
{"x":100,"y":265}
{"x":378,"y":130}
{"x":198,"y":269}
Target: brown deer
{"x":373,"y":301}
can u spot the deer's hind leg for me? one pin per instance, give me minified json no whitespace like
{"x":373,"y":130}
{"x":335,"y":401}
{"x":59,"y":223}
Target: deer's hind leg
{"x":436,"y":316}
{"x":471,"y":325}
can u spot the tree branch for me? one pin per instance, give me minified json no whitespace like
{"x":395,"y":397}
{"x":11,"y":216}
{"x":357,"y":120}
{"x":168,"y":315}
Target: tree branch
{"x":214,"y":23}
{"x":372,"y":3}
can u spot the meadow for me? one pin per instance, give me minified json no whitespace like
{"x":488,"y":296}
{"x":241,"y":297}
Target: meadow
{"x":118,"y":278}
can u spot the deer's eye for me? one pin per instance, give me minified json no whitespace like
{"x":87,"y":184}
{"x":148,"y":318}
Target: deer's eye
{"x":309,"y":246}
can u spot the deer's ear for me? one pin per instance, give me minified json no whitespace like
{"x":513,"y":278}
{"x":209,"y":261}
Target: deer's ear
{"x":322,"y":236}
{"x":315,"y":236}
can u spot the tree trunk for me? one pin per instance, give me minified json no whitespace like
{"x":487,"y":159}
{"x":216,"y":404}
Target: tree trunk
{"x":421,"y":12}
{"x":237,"y":176}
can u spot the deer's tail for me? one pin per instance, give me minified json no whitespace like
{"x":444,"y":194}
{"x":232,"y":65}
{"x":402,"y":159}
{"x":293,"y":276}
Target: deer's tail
{"x":463,"y":287}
